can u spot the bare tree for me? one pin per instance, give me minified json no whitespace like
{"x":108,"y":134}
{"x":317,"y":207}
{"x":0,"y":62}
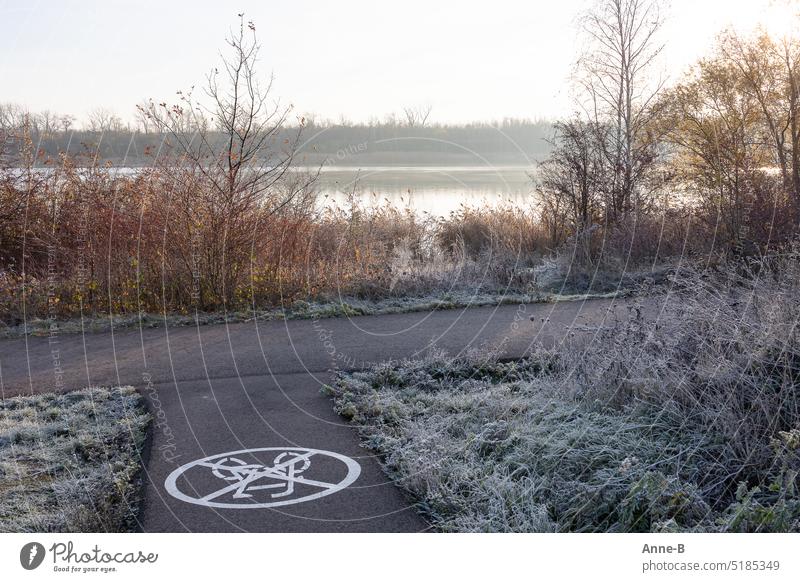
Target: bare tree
{"x":143,"y":123}
{"x":103,"y":120}
{"x":232,"y":179}
{"x":417,"y":116}
{"x":570,"y":184}
{"x":620,"y":90}
{"x":47,"y":122}
{"x":66,"y":122}
{"x":14,"y":117}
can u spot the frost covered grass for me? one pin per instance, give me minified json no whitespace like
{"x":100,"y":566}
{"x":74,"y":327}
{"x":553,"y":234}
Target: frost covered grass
{"x":70,"y":462}
{"x":688,"y":421}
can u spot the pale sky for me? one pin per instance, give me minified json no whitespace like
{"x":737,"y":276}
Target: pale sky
{"x":468,"y":60}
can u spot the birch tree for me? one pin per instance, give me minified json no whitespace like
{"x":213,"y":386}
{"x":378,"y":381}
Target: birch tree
{"x":620,"y":87}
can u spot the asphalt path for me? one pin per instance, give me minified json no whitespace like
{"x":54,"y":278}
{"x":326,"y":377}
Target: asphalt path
{"x":222,"y":394}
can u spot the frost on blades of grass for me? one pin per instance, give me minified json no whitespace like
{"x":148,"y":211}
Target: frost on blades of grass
{"x":70,"y":462}
{"x":689,"y":421}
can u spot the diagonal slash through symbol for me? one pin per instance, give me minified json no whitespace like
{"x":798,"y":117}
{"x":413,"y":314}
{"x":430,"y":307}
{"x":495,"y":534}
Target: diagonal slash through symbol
{"x":245,"y":477}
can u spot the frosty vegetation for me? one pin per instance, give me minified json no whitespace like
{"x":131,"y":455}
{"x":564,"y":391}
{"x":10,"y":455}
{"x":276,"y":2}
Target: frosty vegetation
{"x":688,"y":421}
{"x":70,"y":462}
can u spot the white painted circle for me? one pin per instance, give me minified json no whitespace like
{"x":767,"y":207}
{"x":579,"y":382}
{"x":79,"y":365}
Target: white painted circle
{"x":240,"y":479}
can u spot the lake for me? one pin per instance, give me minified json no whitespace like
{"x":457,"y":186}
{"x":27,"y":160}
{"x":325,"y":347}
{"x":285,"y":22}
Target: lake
{"x":436,"y":190}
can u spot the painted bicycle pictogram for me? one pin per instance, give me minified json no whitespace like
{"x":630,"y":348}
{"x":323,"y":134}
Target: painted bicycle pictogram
{"x":265,"y":477}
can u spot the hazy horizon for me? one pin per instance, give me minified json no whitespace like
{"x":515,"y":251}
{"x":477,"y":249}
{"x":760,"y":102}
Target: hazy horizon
{"x":467,"y":62}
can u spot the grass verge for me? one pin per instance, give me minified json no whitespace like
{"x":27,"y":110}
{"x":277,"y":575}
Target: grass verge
{"x":70,"y":462}
{"x":689,"y":421}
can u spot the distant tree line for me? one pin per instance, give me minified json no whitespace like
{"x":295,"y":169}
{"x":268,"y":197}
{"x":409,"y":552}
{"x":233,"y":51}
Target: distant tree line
{"x":106,"y":137}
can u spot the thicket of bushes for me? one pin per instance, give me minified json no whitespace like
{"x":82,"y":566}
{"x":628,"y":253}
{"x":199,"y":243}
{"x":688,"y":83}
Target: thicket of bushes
{"x":90,"y":241}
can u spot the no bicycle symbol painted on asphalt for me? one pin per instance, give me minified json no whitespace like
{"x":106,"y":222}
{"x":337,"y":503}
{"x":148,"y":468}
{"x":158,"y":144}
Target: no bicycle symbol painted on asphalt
{"x":258,"y":478}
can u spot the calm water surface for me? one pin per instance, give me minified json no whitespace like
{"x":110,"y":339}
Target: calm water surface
{"x":437,"y":190}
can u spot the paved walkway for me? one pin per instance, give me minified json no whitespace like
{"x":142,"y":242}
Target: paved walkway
{"x":219,"y":392}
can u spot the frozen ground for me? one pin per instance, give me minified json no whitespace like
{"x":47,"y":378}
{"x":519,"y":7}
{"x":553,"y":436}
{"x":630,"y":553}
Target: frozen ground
{"x":70,"y":462}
